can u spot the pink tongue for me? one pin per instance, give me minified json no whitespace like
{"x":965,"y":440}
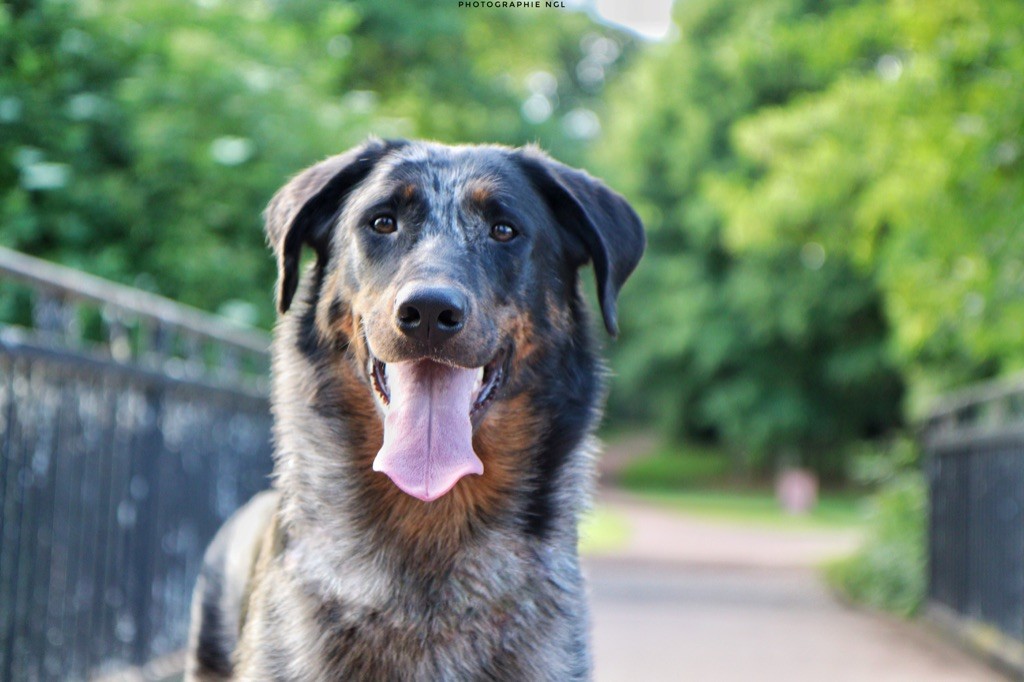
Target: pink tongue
{"x":428,"y":437}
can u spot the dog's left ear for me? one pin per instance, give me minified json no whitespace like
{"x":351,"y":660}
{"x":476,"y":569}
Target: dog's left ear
{"x":601,"y":219}
{"x":304,"y":210}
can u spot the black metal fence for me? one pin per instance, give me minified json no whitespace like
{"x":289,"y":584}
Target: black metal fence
{"x":119,"y":459}
{"x":975,"y":446}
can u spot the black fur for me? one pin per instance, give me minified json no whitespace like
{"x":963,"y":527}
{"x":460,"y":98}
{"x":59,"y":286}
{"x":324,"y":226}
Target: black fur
{"x":608,"y":227}
{"x":572,"y":397}
{"x":308,"y":341}
{"x":213,"y":651}
{"x":311,"y":226}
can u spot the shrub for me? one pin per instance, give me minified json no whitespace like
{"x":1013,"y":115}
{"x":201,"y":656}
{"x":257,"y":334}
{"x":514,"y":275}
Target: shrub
{"x":888,"y":571}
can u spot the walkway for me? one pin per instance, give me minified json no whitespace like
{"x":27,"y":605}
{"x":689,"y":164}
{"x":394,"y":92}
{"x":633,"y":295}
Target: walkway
{"x":694,"y":600}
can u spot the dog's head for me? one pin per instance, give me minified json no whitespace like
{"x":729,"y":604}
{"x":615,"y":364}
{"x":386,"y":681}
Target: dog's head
{"x":442,"y":271}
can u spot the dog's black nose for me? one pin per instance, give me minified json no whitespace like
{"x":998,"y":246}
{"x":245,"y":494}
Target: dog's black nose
{"x":430,"y":314}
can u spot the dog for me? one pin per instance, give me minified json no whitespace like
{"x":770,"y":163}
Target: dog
{"x":435,"y":388}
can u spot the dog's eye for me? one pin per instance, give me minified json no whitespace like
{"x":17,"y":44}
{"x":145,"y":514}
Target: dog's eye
{"x":383,"y":224}
{"x":503,"y":232}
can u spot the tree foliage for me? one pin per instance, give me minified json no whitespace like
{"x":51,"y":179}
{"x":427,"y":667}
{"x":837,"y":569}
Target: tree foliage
{"x":833,"y":188}
{"x":140,"y":139}
{"x":780,"y":350}
{"x":911,"y":167}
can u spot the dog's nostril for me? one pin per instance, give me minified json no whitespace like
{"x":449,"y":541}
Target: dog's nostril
{"x":451,"y":319}
{"x":408,"y":316}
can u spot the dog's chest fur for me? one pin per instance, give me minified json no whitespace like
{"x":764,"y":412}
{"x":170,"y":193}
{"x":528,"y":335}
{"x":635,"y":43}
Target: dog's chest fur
{"x":496,"y":612}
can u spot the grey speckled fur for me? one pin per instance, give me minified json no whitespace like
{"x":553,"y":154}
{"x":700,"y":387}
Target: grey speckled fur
{"x":337,"y":575}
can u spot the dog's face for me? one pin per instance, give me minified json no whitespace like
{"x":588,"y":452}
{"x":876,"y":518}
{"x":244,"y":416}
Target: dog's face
{"x":445,"y":274}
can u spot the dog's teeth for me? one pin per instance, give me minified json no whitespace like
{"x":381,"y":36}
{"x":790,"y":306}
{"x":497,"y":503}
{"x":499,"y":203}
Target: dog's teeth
{"x":479,"y":376}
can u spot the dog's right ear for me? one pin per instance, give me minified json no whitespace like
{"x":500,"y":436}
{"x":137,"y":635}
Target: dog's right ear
{"x":304,"y":210}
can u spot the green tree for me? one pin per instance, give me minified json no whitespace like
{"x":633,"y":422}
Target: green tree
{"x":911,"y":166}
{"x":486,"y":75}
{"x":140,"y":139}
{"x":779,"y":351}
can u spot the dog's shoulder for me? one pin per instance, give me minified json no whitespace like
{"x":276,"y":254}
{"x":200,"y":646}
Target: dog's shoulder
{"x":219,"y":599}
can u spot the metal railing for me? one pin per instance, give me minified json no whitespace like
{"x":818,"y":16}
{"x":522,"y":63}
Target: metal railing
{"x":130,"y":428}
{"x":974,"y":442}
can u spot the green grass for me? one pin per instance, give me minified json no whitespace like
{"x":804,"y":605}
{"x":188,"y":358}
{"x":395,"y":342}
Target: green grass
{"x":696,"y":480}
{"x":602,"y":530}
{"x":834,"y":511}
{"x":674,"y":468}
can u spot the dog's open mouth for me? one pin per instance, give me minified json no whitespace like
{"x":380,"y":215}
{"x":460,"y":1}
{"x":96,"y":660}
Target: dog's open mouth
{"x":489,"y":379}
{"x":429,"y":409}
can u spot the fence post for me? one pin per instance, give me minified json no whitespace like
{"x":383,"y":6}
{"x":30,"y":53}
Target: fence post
{"x":974,"y":444}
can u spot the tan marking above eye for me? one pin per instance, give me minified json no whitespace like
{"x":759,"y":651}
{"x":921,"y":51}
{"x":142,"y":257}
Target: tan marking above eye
{"x":480,"y":194}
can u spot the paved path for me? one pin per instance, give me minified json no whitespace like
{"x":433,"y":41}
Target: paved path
{"x":693,"y":600}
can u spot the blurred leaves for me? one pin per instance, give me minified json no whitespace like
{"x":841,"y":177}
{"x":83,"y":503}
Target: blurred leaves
{"x":834,"y":194}
{"x":833,"y":189}
{"x":172,"y":124}
{"x":778,"y":349}
{"x":140,"y":139}
{"x":889,"y":570}
{"x":911,"y":167}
